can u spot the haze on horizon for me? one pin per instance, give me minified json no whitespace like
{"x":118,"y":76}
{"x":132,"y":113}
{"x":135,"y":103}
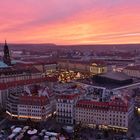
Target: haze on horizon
{"x":70,"y":21}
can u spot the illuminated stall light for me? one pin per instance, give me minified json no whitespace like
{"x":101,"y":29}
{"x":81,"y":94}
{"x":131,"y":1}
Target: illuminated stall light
{"x":124,"y":129}
{"x":138,"y":110}
{"x":26,"y":117}
{"x":78,"y":75}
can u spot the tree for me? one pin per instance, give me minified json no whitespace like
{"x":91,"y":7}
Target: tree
{"x":77,"y":129}
{"x":106,"y":133}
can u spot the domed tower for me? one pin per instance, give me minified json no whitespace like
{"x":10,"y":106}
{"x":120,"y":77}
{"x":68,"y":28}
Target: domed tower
{"x":6,"y":57}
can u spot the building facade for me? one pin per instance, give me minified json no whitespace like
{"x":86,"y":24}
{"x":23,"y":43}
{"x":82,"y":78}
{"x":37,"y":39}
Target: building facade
{"x":133,"y":71}
{"x":115,"y":114}
{"x":91,"y":68}
{"x":97,"y":68}
{"x":65,"y":103}
{"x":7,"y":87}
{"x":32,"y":102}
{"x":97,"y":108}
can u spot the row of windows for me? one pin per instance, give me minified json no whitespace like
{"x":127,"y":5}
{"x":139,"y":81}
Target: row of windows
{"x":91,"y":119}
{"x":64,"y":120}
{"x":118,"y":120}
{"x":30,"y":106}
{"x":66,"y":101}
{"x":91,"y":113}
{"x":25,"y":114}
{"x":17,"y":77}
{"x":65,"y":110}
{"x":101,"y":118}
{"x":33,"y":107}
{"x":118,"y":124}
{"x":102,"y":121}
{"x":24,"y":110}
{"x":85,"y":111}
{"x":68,"y":115}
{"x":132,"y":72}
{"x":64,"y":105}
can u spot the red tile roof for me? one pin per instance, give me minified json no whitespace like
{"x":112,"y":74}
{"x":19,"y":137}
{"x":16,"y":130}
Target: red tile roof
{"x":92,"y":103}
{"x":68,"y":96}
{"x":31,"y":63}
{"x":136,"y":67}
{"x":89,"y":104}
{"x":98,"y":62}
{"x":4,"y":86}
{"x":33,"y":100}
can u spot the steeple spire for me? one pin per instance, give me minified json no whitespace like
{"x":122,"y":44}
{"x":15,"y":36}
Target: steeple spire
{"x":5,"y":42}
{"x":6,"y":57}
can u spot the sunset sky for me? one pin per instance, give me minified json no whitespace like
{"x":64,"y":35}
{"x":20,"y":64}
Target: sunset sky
{"x":70,"y":21}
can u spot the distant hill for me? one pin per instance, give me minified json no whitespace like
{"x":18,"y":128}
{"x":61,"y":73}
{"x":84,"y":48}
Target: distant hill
{"x":34,"y":47}
{"x":45,"y":47}
{"x":105,"y":46}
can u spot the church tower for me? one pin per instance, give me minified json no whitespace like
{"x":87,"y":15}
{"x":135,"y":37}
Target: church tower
{"x":6,"y":57}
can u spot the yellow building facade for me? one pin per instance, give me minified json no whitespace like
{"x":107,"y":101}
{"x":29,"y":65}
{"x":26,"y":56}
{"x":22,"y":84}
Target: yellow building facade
{"x":97,"y":69}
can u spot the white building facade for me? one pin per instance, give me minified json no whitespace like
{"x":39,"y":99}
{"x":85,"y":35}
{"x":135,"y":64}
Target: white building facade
{"x":116,"y":114}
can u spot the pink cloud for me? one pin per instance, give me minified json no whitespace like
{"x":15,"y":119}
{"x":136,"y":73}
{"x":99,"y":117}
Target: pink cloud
{"x":68,"y":21}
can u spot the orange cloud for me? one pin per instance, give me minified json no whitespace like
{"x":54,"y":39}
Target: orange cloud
{"x":93,"y":26}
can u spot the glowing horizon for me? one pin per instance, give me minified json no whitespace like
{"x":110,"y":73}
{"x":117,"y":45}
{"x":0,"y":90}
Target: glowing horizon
{"x":70,"y":21}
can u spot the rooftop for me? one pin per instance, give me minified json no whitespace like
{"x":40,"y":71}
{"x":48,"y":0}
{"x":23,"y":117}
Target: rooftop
{"x":106,"y":83}
{"x":7,"y":85}
{"x":36,"y":95}
{"x":69,"y":91}
{"x":136,"y":67}
{"x":120,"y":101}
{"x":37,"y":90}
{"x":89,"y":62}
{"x":3,"y":65}
{"x":116,"y":76}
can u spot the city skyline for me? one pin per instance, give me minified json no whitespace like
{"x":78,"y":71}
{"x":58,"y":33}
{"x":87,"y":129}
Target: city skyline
{"x":70,"y":22}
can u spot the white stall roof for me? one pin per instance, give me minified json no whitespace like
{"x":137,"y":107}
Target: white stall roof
{"x":17,"y":130}
{"x":32,"y":132}
{"x":51,"y":134}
